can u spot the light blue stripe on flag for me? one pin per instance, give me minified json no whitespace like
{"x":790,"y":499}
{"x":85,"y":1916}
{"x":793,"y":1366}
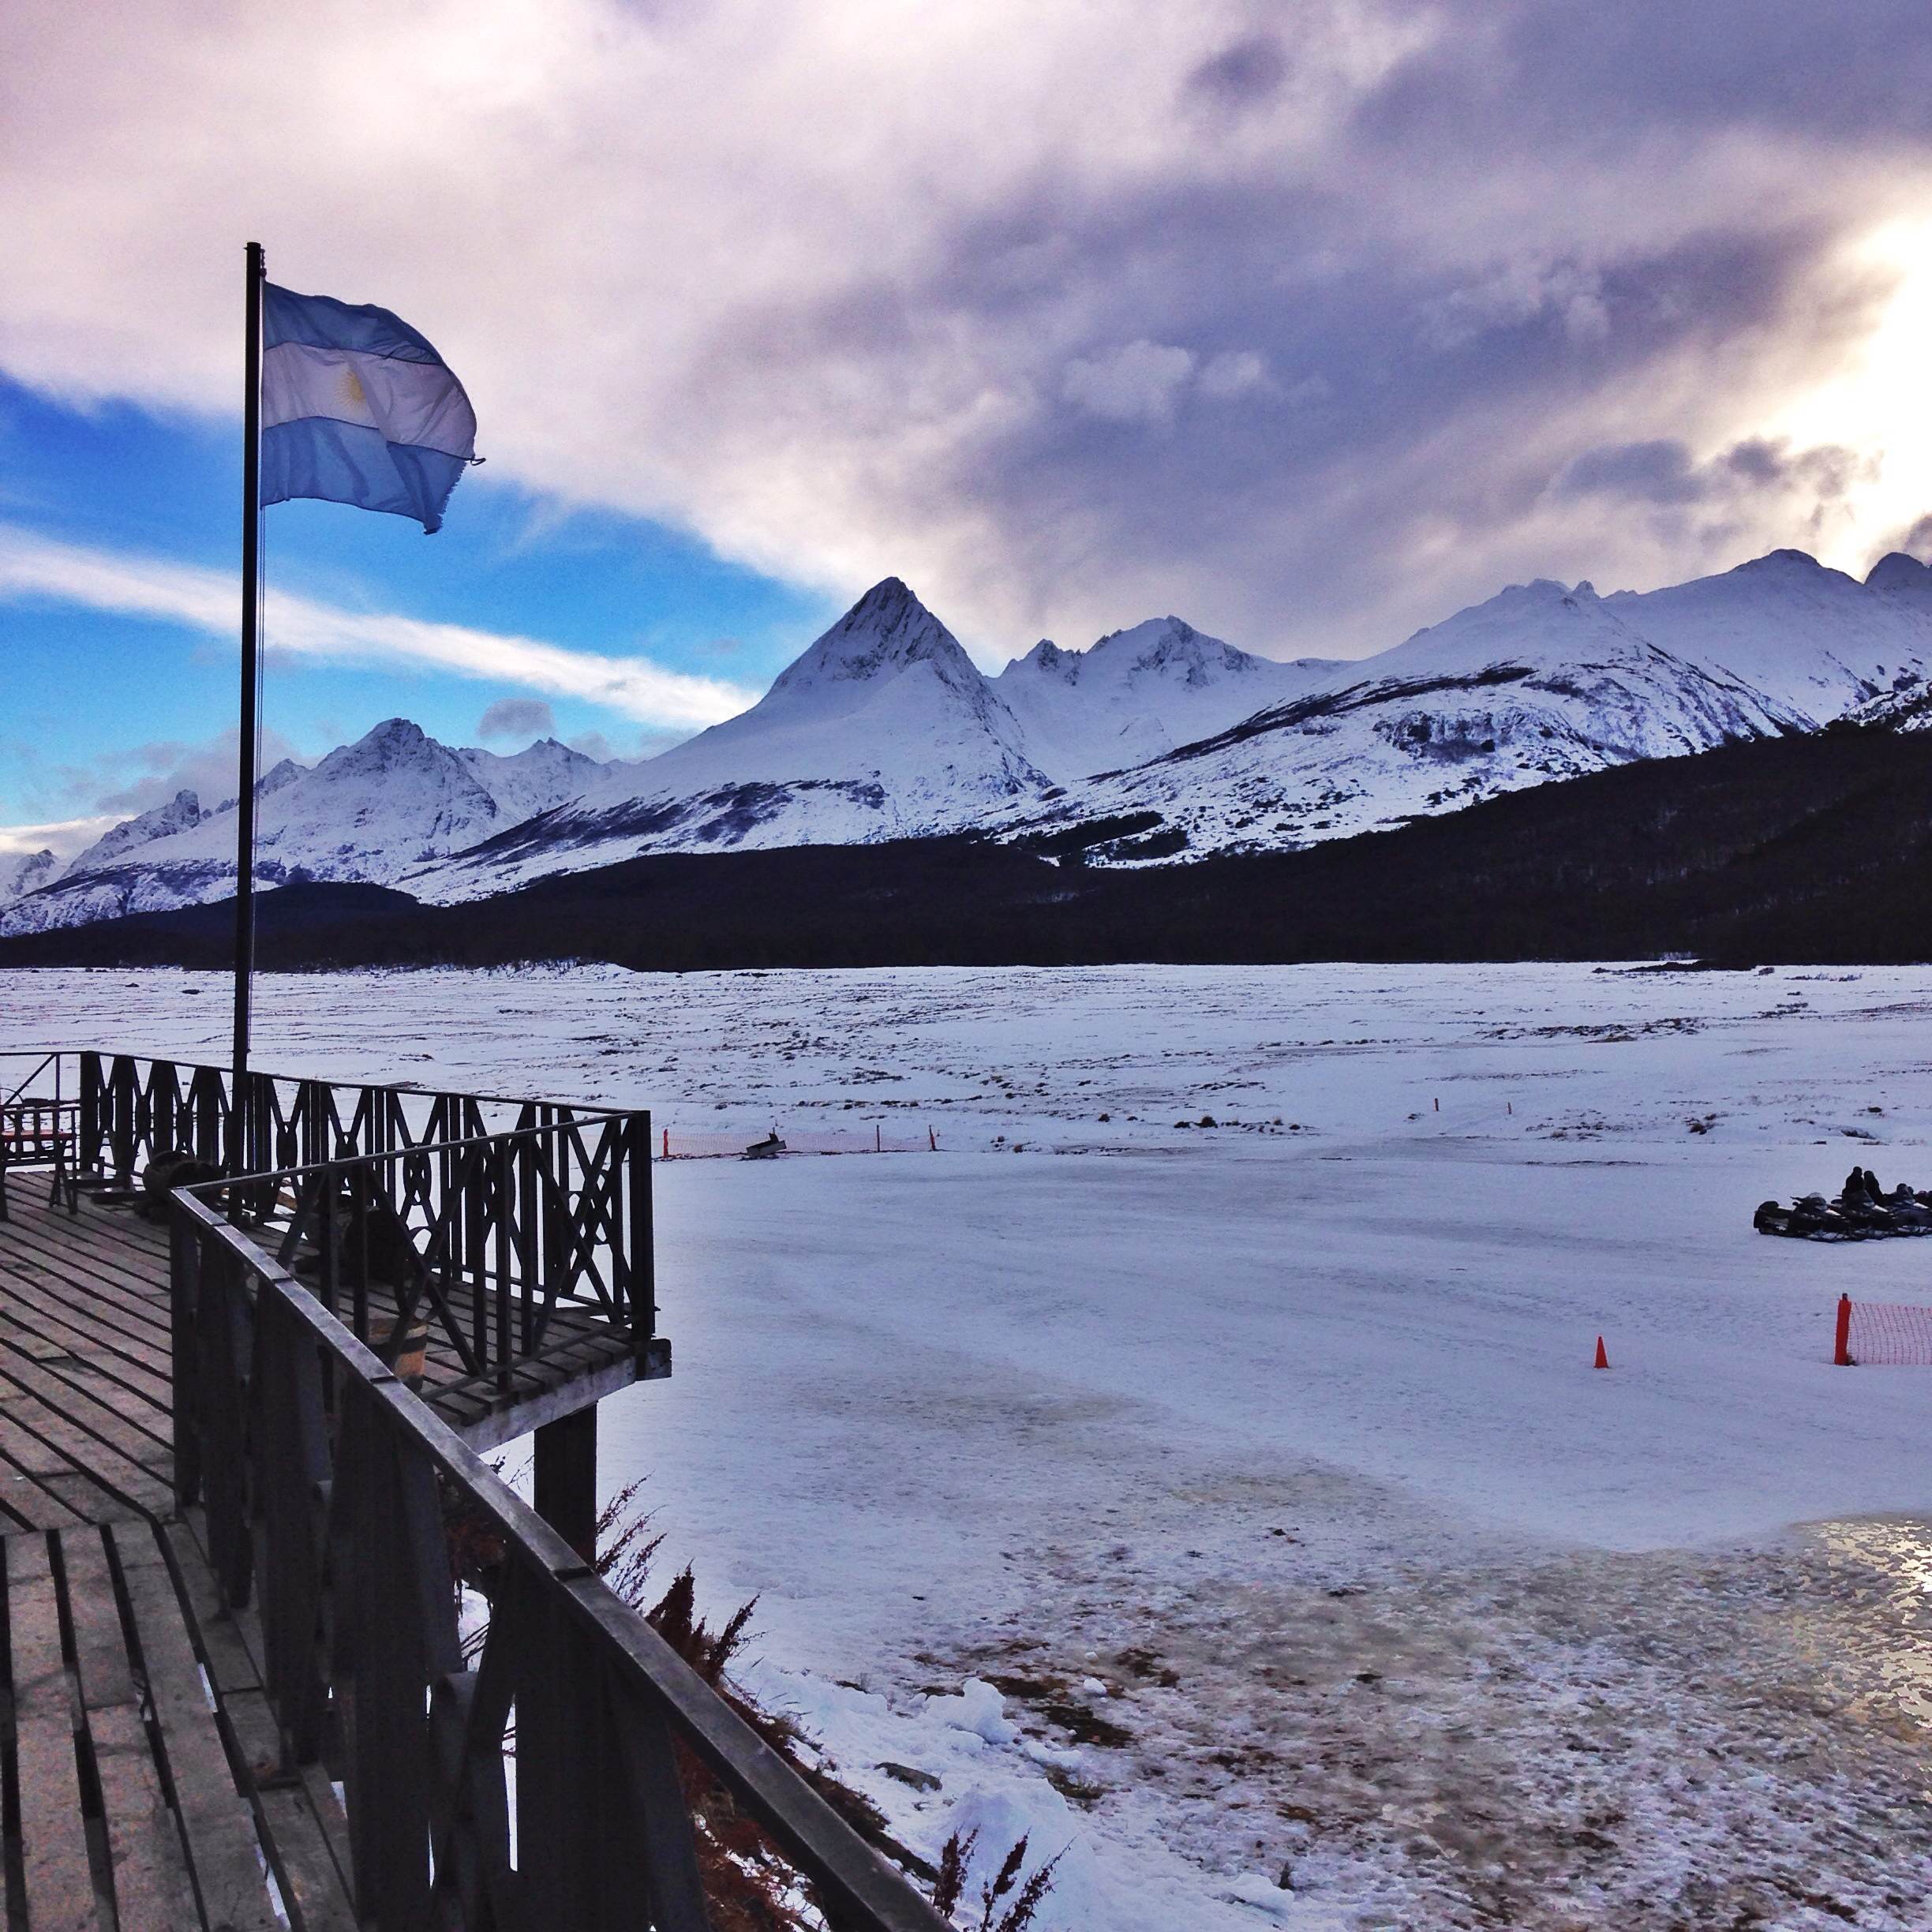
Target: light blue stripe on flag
{"x":358,"y":408}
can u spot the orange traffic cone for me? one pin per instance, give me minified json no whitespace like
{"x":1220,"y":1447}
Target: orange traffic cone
{"x":1603,"y":1358}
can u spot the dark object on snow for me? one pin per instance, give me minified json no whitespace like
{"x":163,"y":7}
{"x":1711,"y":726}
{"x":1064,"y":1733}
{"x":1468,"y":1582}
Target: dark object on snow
{"x":770,"y":1148}
{"x":1861,"y":1191}
{"x":1860,"y":1213}
{"x":164,"y":1174}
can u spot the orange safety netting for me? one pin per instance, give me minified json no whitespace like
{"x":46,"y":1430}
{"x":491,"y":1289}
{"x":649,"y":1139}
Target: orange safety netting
{"x":1889,"y":1335}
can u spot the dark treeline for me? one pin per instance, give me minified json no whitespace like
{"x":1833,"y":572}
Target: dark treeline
{"x":1800,"y":849}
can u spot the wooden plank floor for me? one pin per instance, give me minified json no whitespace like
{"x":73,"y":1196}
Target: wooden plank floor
{"x":97,"y":1289}
{"x":133,"y":1722}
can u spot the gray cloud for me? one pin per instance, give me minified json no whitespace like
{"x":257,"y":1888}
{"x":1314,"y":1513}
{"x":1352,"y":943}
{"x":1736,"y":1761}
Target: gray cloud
{"x":160,"y":768}
{"x":517,"y":718}
{"x":1290,"y":338}
{"x":1663,"y":472}
{"x":1704,"y":505}
{"x":1245,"y":72}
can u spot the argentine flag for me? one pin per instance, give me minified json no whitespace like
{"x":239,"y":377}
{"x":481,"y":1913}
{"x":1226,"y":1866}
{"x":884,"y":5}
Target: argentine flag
{"x":358,"y":408}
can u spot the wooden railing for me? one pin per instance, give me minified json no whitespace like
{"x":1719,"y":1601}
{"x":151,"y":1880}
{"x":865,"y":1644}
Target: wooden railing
{"x":326,"y":1484}
{"x":135,"y":1107}
{"x":481,"y":1216}
{"x":483,"y":1238}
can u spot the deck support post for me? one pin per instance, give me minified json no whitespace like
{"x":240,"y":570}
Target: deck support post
{"x":566,"y":1478}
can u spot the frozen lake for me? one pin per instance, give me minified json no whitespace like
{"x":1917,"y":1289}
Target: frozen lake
{"x":1261,"y":1464}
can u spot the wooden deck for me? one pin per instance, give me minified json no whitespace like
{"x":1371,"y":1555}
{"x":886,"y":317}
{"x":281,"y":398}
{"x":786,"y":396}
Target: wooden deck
{"x":139,"y":1782}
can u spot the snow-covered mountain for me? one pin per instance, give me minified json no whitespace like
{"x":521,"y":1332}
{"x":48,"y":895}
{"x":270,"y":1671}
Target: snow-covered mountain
{"x":883,"y":729}
{"x":1138,"y":694}
{"x":388,"y":804}
{"x":181,"y":812}
{"x":1157,"y":742}
{"x":25,"y":872}
{"x":1812,"y":641}
{"x":524,"y":783}
{"x":1541,"y":682}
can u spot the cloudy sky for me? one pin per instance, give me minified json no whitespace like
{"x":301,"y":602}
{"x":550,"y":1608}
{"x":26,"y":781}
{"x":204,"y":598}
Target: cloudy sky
{"x":1309,"y":322}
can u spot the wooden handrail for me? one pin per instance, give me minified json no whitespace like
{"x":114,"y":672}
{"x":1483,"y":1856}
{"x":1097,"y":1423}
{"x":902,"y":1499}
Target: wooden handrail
{"x":530,"y":1217}
{"x":329,"y":1510}
{"x":546,"y":1205}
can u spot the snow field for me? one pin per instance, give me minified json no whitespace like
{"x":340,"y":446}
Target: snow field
{"x":1234,"y":1503}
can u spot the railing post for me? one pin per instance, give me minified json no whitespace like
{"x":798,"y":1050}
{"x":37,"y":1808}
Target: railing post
{"x":211,"y":1115}
{"x":359,"y":1186}
{"x":122,"y":1119}
{"x":291,"y":1471}
{"x":398,"y":1601}
{"x":329,"y":1240}
{"x":564,"y":1486}
{"x":185,"y":1262}
{"x":506,"y":1150}
{"x":142,"y":1092}
{"x":90,"y":1112}
{"x":642,"y":1239}
{"x":557,"y":1719}
{"x":530,"y":1255}
{"x":551,"y":1165}
{"x":475,"y":1259}
{"x":223,"y":1368}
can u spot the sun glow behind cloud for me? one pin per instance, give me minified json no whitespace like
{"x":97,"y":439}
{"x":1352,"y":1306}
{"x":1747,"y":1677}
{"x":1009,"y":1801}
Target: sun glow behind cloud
{"x":1283,"y":319}
{"x":1878,"y":402}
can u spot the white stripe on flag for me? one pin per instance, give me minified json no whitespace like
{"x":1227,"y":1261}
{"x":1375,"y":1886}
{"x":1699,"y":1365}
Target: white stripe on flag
{"x":419,"y":403}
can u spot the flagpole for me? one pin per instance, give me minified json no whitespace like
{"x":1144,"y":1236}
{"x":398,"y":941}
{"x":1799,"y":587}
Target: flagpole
{"x":238,"y":1148}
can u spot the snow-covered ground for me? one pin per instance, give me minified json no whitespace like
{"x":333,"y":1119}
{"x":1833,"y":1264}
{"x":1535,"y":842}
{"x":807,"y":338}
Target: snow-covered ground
{"x":1234,"y":1503}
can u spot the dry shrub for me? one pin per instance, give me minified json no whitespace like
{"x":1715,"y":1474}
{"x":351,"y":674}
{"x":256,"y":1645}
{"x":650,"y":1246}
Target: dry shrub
{"x":749,"y":1886}
{"x":1016,"y":1909}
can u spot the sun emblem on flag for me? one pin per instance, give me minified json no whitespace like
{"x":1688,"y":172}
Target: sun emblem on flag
{"x":353,"y":394}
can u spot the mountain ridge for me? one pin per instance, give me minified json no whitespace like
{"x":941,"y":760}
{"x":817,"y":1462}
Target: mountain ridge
{"x":370,"y":811}
{"x":1179,"y":743}
{"x":1748,"y":854}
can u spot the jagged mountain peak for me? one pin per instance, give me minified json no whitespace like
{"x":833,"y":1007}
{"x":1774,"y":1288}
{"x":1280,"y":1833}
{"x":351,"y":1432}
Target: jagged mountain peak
{"x":1540,"y":617}
{"x":1161,"y":641}
{"x":1153,"y":645}
{"x":889,"y":630}
{"x":532,"y":780}
{"x":394,"y":741}
{"x":283,"y":772}
{"x":374,"y":810}
{"x":1900,"y":576}
{"x":177,"y":815}
{"x":539,"y":751}
{"x":22,"y":872}
{"x":1135,"y":693}
{"x":1169,"y":629}
{"x":1045,"y":657}
{"x":1787,"y":561}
